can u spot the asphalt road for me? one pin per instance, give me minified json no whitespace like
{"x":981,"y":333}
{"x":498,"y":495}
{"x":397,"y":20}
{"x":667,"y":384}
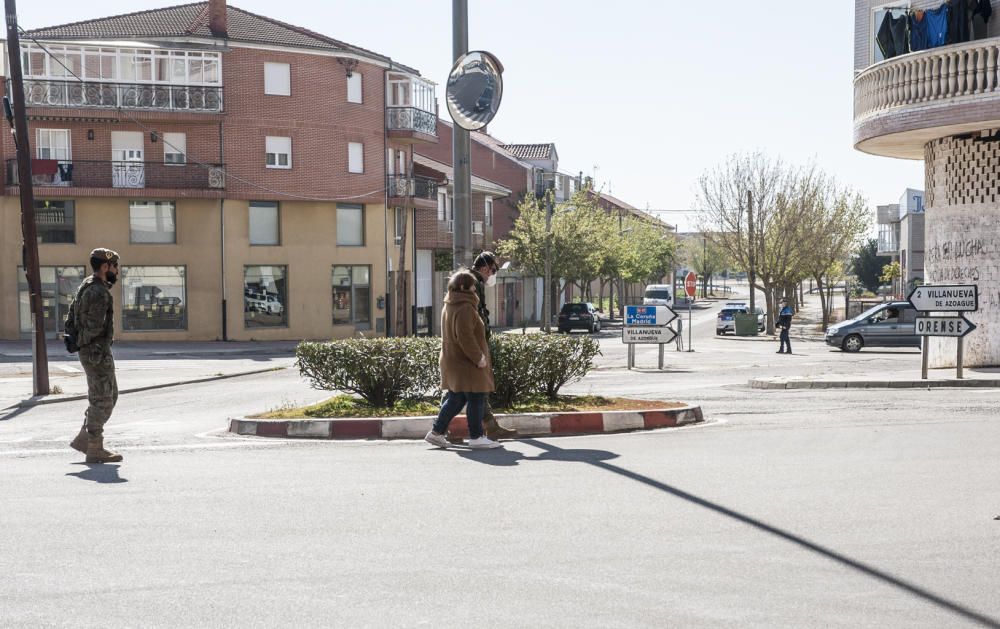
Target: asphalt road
{"x":787,"y":509}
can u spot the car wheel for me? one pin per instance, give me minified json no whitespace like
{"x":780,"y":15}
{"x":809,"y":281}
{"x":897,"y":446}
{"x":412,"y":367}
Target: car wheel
{"x":853,"y":343}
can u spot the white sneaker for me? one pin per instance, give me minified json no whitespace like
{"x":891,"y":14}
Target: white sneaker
{"x":484,"y":443}
{"x":435,"y":439}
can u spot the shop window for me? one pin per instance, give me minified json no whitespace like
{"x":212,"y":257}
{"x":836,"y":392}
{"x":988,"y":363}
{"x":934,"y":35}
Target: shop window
{"x":352,"y":296}
{"x":59,"y":286}
{"x":152,"y":222}
{"x":265,"y":296}
{"x":55,"y":222}
{"x":350,"y":225}
{"x":264,"y":223}
{"x":154,"y":298}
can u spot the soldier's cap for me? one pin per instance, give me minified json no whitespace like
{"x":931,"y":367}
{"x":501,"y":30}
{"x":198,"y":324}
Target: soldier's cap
{"x":104,"y":254}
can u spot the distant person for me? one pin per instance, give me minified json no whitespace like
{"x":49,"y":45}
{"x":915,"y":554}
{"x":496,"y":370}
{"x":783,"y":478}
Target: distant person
{"x":784,"y":324}
{"x":466,"y":371}
{"x":93,"y":320}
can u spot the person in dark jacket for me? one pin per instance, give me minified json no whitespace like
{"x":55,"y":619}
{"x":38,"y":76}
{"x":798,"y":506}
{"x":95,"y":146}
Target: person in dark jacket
{"x":784,"y":324}
{"x":484,"y":269}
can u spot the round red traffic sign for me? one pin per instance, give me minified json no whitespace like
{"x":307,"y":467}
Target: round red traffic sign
{"x":690,"y":284}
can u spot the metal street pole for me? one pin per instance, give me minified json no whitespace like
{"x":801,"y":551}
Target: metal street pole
{"x":40,"y":362}
{"x":752,"y":271}
{"x":547,"y":294}
{"x":461,"y":148}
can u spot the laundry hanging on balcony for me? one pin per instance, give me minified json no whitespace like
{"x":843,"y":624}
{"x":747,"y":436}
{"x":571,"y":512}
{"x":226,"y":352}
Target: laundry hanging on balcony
{"x":904,"y":30}
{"x":980,"y":17}
{"x":918,"y":31}
{"x":892,"y":35}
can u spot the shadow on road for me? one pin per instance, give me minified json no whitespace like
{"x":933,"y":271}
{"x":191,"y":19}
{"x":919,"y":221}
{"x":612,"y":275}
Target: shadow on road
{"x":99,"y":473}
{"x":11,"y":412}
{"x":599,"y":458}
{"x":503,"y":457}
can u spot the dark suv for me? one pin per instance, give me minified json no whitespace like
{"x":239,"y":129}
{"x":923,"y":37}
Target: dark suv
{"x":580,"y":316}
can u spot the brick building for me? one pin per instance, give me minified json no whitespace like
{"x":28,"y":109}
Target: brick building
{"x":256,"y":177}
{"x":939,"y":101}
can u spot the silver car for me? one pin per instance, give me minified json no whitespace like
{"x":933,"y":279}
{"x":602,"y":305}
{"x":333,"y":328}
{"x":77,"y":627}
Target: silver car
{"x":891,"y":324}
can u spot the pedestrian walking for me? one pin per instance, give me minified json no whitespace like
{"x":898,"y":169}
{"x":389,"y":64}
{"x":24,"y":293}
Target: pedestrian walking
{"x":90,"y":327}
{"x":466,"y":371}
{"x":484,"y":269}
{"x":785,"y":323}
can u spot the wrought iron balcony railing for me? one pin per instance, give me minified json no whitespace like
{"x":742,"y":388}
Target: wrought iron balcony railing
{"x":111,"y":174}
{"x":45,"y":93}
{"x":417,"y":187}
{"x":411,"y":119}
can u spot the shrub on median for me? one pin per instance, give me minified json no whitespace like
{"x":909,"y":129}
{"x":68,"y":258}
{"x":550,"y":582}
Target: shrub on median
{"x":384,"y":371}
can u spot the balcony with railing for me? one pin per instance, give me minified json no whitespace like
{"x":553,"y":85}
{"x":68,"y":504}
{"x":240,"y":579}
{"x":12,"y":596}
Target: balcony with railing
{"x":410,"y":108}
{"x":115,"y":174}
{"x":77,"y":94}
{"x":421,"y":191}
{"x":902,"y":103}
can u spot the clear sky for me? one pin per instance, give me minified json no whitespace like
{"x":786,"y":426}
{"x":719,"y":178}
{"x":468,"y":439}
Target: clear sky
{"x":647,"y":93}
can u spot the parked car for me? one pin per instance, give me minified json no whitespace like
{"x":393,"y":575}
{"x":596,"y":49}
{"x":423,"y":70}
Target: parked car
{"x":725,"y":321}
{"x":658,"y":295}
{"x":892,"y":324}
{"x":579,"y":316}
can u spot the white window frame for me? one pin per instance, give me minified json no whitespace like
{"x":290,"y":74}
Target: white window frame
{"x":261,"y":206}
{"x":175,"y":144}
{"x":355,"y":88}
{"x":442,"y":205}
{"x":489,"y":210}
{"x":355,"y":158}
{"x":159,"y":205}
{"x":277,"y":79}
{"x":873,"y":26}
{"x":111,"y":61}
{"x":44,"y":143}
{"x":277,"y":146}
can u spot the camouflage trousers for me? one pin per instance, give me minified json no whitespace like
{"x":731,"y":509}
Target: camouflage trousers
{"x":102,"y":386}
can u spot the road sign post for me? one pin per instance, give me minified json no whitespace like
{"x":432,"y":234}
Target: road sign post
{"x":690,"y":288}
{"x":957,"y":298}
{"x":647,"y":325}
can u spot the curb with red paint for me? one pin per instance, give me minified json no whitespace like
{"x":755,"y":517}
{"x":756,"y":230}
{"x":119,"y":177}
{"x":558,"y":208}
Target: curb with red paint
{"x":527,"y":424}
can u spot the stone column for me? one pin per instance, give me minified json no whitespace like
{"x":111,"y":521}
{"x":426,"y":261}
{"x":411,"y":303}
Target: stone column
{"x":962,"y":229}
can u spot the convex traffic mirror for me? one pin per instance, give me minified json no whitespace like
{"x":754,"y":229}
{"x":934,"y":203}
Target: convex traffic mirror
{"x":474,"y":90}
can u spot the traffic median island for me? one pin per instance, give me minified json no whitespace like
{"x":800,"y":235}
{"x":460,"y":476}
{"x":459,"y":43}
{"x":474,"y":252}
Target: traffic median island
{"x":347,"y":418}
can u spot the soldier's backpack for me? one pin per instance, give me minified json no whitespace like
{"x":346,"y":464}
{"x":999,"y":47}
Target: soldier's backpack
{"x":71,"y":333}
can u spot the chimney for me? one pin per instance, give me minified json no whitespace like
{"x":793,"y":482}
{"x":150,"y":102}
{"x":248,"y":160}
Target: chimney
{"x":217,"y":18}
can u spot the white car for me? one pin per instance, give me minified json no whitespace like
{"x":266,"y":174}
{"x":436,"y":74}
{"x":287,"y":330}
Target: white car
{"x":658,"y":295}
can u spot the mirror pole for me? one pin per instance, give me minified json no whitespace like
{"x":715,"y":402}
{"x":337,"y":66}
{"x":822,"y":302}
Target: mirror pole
{"x":461,"y":149}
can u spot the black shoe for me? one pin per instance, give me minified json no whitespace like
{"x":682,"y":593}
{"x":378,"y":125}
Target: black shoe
{"x":780,"y":351}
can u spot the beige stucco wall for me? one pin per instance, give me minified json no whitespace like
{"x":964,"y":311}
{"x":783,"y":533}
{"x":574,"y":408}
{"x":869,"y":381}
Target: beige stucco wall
{"x":308,"y":249}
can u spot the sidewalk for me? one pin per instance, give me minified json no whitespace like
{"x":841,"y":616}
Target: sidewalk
{"x":936,"y":378}
{"x":140,"y":366}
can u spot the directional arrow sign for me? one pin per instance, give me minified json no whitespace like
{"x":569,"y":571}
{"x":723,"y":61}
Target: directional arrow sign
{"x":955,"y":298}
{"x":648,"y":315}
{"x":944,"y":326}
{"x":649,"y":334}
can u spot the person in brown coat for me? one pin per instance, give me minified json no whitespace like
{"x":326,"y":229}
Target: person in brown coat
{"x":466,"y":374}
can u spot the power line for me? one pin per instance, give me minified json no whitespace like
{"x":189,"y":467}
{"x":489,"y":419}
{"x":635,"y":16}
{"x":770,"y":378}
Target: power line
{"x":196,"y":162}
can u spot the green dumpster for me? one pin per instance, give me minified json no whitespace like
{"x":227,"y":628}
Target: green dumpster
{"x":745,"y":324}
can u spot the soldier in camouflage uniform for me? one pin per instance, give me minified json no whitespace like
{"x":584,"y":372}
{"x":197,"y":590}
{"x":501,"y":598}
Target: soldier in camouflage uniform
{"x":94,"y":315}
{"x":485,"y":268}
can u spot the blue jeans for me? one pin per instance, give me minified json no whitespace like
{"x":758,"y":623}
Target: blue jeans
{"x":475,"y":404}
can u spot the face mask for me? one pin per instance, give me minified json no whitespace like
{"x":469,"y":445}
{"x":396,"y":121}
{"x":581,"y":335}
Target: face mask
{"x":110,"y":277}
{"x":491,"y":281}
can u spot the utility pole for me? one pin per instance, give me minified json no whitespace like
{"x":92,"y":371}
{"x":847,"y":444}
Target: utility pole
{"x":461,"y":148}
{"x":752,"y":272}
{"x":547,"y":296}
{"x":29,"y":254}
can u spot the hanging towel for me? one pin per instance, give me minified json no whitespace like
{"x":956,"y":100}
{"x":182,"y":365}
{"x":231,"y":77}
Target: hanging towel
{"x":884,"y":38}
{"x":918,"y":32}
{"x":44,"y":167}
{"x":958,"y":21}
{"x":937,"y":26}
{"x":899,"y":37}
{"x":980,"y":16}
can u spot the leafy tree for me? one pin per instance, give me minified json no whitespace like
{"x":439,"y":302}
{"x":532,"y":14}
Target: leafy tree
{"x":867,"y":264}
{"x":705,"y":257}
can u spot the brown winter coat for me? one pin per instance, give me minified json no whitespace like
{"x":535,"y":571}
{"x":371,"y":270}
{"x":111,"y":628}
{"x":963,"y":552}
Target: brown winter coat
{"x":463,"y":342}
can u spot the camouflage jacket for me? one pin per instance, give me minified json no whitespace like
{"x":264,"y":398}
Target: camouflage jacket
{"x":484,"y":312}
{"x":95,"y":313}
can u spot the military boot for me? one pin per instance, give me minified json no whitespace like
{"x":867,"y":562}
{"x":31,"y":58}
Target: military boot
{"x":79,"y":443}
{"x":495,"y":431}
{"x":97,"y":454}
